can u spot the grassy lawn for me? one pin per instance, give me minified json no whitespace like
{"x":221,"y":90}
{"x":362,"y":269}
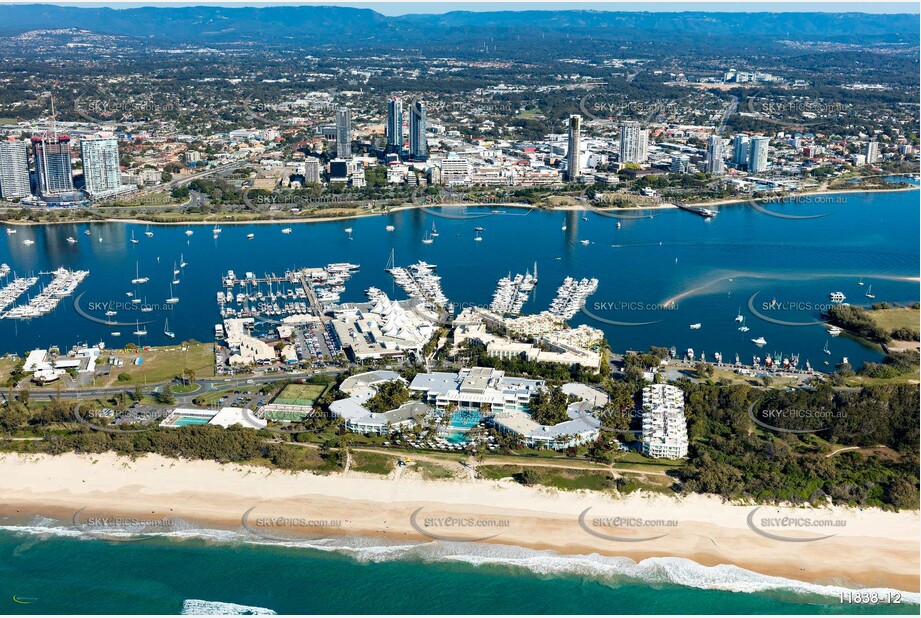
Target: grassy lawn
{"x":162,"y":364}
{"x":433,"y":472}
{"x":6,"y":368}
{"x":373,"y":463}
{"x":558,"y":478}
{"x":890,"y":319}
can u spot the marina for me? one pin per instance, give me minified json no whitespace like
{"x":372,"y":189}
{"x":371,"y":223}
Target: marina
{"x":704,"y":270}
{"x":62,"y":285}
{"x":570,"y":297}
{"x":419,"y":281}
{"x":512,"y":293}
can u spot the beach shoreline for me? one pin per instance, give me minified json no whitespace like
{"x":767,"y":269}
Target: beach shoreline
{"x":298,"y":220}
{"x":83,"y":489}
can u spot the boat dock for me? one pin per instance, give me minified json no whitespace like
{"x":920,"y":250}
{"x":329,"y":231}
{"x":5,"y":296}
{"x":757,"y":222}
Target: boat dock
{"x":571,"y":296}
{"x":61,"y":286}
{"x":512,"y":293}
{"x":706,"y":213}
{"x":15,"y":289}
{"x":420,"y":281}
{"x":301,"y":291}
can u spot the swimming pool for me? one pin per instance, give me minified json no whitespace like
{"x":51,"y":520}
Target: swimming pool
{"x":182,"y":421}
{"x":465,"y":419}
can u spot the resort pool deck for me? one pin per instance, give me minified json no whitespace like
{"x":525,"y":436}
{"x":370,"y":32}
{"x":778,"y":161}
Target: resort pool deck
{"x":465,"y":419}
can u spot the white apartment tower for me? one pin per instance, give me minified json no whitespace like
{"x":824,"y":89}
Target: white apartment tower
{"x":715,"y":156}
{"x":14,"y":169}
{"x":665,"y":429}
{"x":872,"y":152}
{"x":101,"y":173}
{"x":758,"y":154}
{"x":633,"y":143}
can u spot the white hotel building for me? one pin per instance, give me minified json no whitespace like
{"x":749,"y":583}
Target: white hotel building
{"x":665,"y":429}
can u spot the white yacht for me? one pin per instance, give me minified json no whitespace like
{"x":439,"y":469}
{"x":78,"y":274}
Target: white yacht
{"x":834,"y":331}
{"x":134,"y":240}
{"x":740,"y":317}
{"x":759,"y":341}
{"x":71,"y":239}
{"x":286,"y":230}
{"x":250,"y":236}
{"x":27,"y":242}
{"x":167,"y":331}
{"x":172,"y":300}
{"x":427,"y":239}
{"x":148,"y":233}
{"x":189,"y":232}
{"x":696,"y":326}
{"x":139,"y":331}
{"x":870,"y":293}
{"x":837,"y":297}
{"x":390,"y":228}
{"x":137,"y":275}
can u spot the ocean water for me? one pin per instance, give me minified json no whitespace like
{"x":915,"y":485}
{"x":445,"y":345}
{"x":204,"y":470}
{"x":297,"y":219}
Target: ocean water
{"x":742,"y":260}
{"x":46,"y":569}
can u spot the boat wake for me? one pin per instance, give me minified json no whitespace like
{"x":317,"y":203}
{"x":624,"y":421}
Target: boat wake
{"x":196,"y":607}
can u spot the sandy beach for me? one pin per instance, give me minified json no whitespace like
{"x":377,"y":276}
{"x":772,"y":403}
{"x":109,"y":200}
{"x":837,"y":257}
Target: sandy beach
{"x":829,"y":546}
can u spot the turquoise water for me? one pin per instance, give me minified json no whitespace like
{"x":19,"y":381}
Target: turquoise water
{"x":457,"y":438}
{"x":182,"y":421}
{"x":465,"y":420}
{"x":712,"y":268}
{"x":58,"y":574}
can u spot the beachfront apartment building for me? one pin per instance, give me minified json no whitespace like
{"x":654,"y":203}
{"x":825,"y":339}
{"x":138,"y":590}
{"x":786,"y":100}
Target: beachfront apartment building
{"x":665,"y":429}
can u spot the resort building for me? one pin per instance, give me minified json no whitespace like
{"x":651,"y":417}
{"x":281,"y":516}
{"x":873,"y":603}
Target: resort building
{"x":665,"y":429}
{"x":477,"y":389}
{"x":383,"y":328}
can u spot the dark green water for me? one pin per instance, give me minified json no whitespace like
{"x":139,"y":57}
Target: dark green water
{"x":50,"y":573}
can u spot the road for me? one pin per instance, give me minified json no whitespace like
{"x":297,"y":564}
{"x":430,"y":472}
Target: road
{"x":205,"y":385}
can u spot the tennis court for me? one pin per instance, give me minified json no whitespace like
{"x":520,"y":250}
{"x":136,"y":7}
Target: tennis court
{"x":300,"y":394}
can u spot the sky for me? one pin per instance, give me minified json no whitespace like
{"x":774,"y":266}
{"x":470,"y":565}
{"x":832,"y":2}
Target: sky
{"x":434,"y":6}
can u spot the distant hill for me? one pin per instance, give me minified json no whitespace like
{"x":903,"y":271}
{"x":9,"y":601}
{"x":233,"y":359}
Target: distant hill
{"x":352,"y":27}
